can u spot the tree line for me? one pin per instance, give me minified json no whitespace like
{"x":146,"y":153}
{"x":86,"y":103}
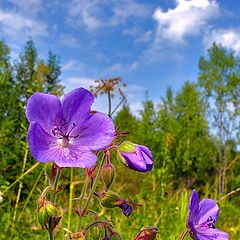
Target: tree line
{"x":193,"y":133}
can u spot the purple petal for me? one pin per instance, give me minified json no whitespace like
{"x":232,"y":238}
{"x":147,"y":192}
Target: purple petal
{"x":193,"y":208}
{"x":76,"y":157}
{"x":97,"y":133}
{"x":193,"y":230}
{"x":134,"y":162}
{"x":206,"y":233}
{"x":42,"y":145}
{"x":207,"y":208}
{"x":77,"y":105}
{"x":126,"y":209}
{"x":45,"y":109}
{"x":147,"y":155}
{"x":45,"y":148}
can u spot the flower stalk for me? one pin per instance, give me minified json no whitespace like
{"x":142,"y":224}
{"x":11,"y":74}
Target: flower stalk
{"x":184,"y":234}
{"x":53,"y":200}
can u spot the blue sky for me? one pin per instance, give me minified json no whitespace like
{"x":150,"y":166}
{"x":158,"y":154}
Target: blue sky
{"x":150,"y":44}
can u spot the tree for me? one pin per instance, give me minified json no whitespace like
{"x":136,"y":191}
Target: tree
{"x":194,"y":148}
{"x":219,"y":78}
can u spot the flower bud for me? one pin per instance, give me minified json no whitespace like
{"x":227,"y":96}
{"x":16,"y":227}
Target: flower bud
{"x":147,"y":233}
{"x":46,"y":210}
{"x":108,"y":173}
{"x":135,"y":157}
{"x":110,"y":199}
{"x":42,"y":216}
{"x":50,"y":209}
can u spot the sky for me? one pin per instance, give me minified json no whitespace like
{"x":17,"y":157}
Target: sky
{"x":149,"y":44}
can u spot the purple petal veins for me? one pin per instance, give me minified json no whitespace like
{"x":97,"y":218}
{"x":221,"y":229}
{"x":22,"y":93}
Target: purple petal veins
{"x":66,"y":132}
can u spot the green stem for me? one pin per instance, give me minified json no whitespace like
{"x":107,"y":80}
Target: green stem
{"x":30,"y":194}
{"x":184,"y":234}
{"x":53,"y":200}
{"x":93,"y":187}
{"x":80,"y":202}
{"x":51,"y":236}
{"x":23,"y":175}
{"x":20,"y":184}
{"x":109,"y":104}
{"x":70,"y":198}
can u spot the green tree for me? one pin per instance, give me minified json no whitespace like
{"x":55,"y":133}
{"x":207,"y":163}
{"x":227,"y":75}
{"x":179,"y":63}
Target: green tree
{"x":219,"y":78}
{"x":194,"y":148}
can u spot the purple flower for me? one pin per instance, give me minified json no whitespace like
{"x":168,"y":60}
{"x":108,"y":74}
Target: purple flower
{"x":67,"y":132}
{"x":136,"y":157}
{"x":126,"y":208}
{"x":202,"y":219}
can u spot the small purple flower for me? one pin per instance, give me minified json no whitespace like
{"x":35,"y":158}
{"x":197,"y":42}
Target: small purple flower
{"x":136,"y":157}
{"x":126,"y":208}
{"x":67,"y":133}
{"x":202,"y":219}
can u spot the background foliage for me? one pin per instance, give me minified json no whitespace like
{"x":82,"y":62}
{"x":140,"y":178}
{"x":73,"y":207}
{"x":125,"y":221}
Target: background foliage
{"x":193,"y":135}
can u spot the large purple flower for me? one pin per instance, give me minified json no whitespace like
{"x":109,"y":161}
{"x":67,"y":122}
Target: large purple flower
{"x":202,"y":219}
{"x":136,"y":157}
{"x":67,"y":132}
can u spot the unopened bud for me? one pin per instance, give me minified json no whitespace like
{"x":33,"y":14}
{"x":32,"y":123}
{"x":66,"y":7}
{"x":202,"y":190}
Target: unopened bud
{"x":42,"y":216}
{"x":108,"y":173}
{"x":50,"y":209}
{"x":147,"y":233}
{"x":110,"y":199}
{"x":135,"y":157}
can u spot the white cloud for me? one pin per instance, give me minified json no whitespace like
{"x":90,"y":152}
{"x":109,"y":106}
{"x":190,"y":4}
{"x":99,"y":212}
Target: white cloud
{"x":134,"y":66}
{"x":69,"y":41}
{"x":145,"y":37}
{"x":16,"y":26}
{"x":229,"y":38}
{"x":188,"y":18}
{"x":76,"y":82}
{"x":28,"y":7}
{"x":116,"y":68}
{"x":101,"y":13}
{"x":73,"y":65}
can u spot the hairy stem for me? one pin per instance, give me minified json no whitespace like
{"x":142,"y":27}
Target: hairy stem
{"x":53,"y":200}
{"x":20,"y":184}
{"x":70,"y":198}
{"x":80,"y":203}
{"x":94,"y":184}
{"x":184,"y":234}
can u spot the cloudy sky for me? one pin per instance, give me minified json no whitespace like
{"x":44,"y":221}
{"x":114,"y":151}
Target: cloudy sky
{"x":150,"y":44}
